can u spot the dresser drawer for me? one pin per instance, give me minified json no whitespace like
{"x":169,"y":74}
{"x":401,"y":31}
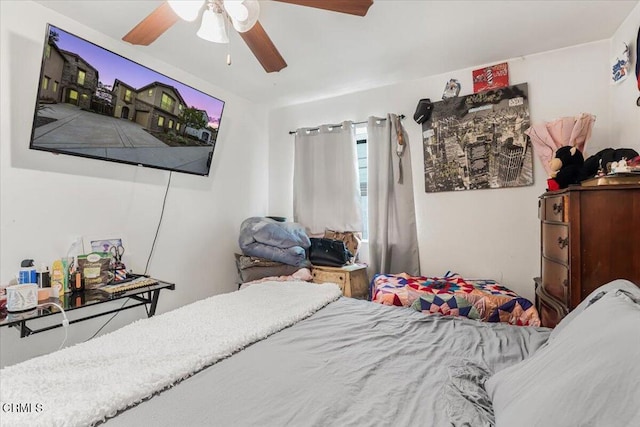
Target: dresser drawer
{"x":555,"y":242}
{"x":555,"y":280}
{"x":555,"y":209}
{"x":322,"y":276}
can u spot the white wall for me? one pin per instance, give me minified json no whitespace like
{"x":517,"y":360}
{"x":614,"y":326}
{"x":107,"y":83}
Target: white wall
{"x":46,"y":200}
{"x":625,"y":114}
{"x":479,"y":233}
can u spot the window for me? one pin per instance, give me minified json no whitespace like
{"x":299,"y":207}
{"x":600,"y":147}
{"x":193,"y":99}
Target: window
{"x":81,"y":75}
{"x":150,"y":92}
{"x":127,"y":95}
{"x":167,"y":102}
{"x":361,"y":148}
{"x":55,"y":86}
{"x":45,"y":83}
{"x":170,"y":125}
{"x":160,"y":121}
{"x":73,"y":97}
{"x":47,"y":51}
{"x":177,"y":126}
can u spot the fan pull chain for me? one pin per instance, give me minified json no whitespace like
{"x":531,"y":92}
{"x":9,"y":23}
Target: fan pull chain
{"x":226,"y":28}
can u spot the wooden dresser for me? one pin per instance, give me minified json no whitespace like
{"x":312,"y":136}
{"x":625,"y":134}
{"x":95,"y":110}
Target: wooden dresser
{"x":589,"y":236}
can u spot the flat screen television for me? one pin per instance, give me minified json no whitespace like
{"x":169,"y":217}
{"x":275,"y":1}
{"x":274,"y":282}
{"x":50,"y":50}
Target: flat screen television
{"x":97,"y":104}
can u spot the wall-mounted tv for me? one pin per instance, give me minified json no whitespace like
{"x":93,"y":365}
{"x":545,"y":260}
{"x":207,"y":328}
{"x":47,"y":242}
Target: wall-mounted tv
{"x":95,"y":103}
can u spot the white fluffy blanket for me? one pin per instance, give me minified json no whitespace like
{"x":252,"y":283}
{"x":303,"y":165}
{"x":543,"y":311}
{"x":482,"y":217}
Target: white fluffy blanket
{"x":96,"y":379}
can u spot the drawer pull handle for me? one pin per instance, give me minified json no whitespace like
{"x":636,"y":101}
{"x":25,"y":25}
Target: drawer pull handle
{"x":563,"y":243}
{"x":557,"y":208}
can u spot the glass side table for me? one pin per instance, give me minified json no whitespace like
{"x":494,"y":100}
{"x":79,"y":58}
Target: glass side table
{"x":77,"y":301}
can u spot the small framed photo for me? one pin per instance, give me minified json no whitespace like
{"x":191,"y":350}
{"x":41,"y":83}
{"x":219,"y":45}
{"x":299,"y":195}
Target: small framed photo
{"x":451,"y":89}
{"x":620,"y":66}
{"x":105,"y":244}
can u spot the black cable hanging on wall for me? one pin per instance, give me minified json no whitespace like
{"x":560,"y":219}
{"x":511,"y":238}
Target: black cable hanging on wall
{"x":153,"y":245}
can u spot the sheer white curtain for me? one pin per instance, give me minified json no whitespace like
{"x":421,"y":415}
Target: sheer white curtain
{"x":393,"y":240}
{"x":325,"y":179}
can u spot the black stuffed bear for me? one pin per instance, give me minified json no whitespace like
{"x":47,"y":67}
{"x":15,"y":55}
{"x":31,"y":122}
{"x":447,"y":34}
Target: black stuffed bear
{"x":566,"y":168}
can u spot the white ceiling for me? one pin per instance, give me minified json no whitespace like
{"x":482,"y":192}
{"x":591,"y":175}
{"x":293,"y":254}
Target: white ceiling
{"x":331,"y":53}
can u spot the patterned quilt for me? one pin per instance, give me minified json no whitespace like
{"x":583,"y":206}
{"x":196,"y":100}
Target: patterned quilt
{"x":452,"y":295}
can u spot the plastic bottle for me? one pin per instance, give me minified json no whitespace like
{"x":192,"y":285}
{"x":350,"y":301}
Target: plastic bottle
{"x":58,"y":276}
{"x":44,"y":277}
{"x":67,"y":264}
{"x":28,"y":272}
{"x":76,"y":284}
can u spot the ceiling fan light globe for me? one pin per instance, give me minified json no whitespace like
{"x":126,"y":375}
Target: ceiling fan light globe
{"x":236,"y":9}
{"x":186,"y":9}
{"x":212,"y":28}
{"x":253,"y":10}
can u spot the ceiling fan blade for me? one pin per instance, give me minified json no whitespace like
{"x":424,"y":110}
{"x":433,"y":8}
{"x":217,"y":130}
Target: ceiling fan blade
{"x":352,"y":7}
{"x":263,"y":48}
{"x":152,"y":27}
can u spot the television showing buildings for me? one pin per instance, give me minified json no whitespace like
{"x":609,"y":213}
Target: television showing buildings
{"x":95,"y":103}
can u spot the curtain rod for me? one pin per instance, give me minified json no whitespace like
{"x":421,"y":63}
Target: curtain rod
{"x":293,"y":132}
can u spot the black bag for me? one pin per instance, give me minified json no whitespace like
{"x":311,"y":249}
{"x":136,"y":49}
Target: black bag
{"x":328,"y":252}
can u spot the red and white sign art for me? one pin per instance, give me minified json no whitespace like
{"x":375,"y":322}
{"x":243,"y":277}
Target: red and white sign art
{"x":492,"y":77}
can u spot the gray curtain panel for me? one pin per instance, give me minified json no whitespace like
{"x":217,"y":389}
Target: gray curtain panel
{"x":325,"y":179}
{"x":393,"y":240}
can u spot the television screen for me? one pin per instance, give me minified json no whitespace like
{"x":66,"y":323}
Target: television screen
{"x":95,"y":103}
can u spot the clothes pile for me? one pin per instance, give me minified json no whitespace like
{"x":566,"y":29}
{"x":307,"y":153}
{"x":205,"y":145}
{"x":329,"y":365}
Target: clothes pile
{"x":271,"y":248}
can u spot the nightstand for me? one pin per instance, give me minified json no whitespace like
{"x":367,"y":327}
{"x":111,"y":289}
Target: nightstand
{"x":352,"y":279}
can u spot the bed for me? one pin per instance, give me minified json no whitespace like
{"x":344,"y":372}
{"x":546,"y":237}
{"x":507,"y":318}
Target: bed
{"x":299,"y":354}
{"x":453,"y":295}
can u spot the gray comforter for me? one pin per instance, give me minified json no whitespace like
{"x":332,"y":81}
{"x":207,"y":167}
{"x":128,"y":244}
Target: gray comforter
{"x":353,"y":363}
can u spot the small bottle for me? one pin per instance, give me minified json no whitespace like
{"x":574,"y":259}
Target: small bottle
{"x":76,"y":282}
{"x":45,"y":277}
{"x":58,"y":276}
{"x":67,"y":266}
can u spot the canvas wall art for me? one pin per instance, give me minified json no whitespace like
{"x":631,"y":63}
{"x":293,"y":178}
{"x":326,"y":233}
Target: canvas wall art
{"x":477,"y":141}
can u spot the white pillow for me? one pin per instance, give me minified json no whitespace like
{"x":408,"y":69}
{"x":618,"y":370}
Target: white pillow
{"x":599,"y":292}
{"x":587,"y":376}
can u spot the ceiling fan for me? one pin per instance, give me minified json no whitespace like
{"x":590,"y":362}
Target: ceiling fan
{"x":241,"y":14}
